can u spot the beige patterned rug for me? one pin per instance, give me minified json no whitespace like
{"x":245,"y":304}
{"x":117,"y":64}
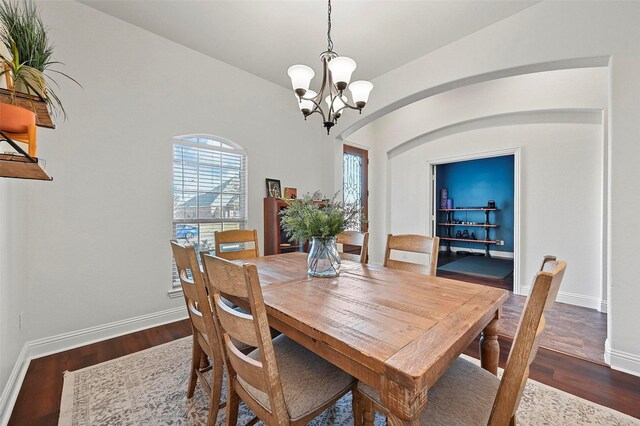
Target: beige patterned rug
{"x":149,"y":388}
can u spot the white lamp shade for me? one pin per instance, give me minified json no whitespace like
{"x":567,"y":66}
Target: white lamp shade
{"x":337,"y":104}
{"x":307,"y":104}
{"x":301,"y":76}
{"x":341,"y":69}
{"x":360,"y":91}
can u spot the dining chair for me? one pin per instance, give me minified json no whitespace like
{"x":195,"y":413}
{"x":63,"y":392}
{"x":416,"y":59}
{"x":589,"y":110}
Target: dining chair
{"x":281,"y":381}
{"x":235,"y":237}
{"x":469,"y":395}
{"x":206,"y":342}
{"x":414,"y":244}
{"x":354,"y":238}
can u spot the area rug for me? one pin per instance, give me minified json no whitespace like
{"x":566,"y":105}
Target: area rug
{"x":149,"y":388}
{"x":480,"y":266}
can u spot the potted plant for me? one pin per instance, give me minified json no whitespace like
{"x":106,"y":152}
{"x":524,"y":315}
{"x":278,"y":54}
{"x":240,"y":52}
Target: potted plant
{"x":306,"y":219}
{"x":30,"y":63}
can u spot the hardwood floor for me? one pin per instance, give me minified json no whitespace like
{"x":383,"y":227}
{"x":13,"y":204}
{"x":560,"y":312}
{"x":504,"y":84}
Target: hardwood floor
{"x":38,"y":402}
{"x":571,"y":330}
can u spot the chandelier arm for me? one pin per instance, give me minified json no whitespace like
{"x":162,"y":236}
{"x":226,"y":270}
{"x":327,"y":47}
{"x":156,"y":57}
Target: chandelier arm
{"x":319,"y":110}
{"x":348,"y":105}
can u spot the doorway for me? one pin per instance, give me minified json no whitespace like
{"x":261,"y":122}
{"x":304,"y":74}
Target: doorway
{"x":474,"y":216}
{"x":355,"y":184}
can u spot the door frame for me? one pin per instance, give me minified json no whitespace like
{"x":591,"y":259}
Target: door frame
{"x":433,"y":204}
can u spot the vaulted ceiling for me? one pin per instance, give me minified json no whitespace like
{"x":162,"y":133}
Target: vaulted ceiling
{"x":266,"y":37}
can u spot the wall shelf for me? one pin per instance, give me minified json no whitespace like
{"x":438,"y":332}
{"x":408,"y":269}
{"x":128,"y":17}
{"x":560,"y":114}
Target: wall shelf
{"x":469,"y":209}
{"x":448,"y":224}
{"x":470,"y":240}
{"x":483,"y":225}
{"x":32,"y":103}
{"x":20,"y":165}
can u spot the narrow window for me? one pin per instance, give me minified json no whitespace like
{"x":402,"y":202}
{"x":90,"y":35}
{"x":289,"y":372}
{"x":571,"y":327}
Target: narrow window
{"x":209,"y":189}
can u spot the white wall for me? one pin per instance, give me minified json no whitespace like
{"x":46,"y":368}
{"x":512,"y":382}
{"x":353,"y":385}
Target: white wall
{"x":96,"y":239}
{"x":102,"y":252}
{"x":12,"y":279}
{"x":546,"y":36}
{"x":560,"y":194}
{"x":566,"y":96}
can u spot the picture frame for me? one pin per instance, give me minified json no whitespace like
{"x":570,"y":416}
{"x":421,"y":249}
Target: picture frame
{"x":291,"y":193}
{"x":274,"y":188}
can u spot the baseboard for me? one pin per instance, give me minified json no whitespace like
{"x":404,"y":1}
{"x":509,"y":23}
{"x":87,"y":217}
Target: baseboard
{"x":65,"y":341}
{"x":13,"y":385}
{"x":622,"y":361}
{"x":572,"y":299}
{"x":493,"y":253}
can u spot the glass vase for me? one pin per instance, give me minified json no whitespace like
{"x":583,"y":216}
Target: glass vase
{"x":323,"y":259}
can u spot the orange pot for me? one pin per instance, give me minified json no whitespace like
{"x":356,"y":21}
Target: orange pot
{"x":15,"y":119}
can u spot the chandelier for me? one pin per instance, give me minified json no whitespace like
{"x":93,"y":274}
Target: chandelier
{"x":336,"y":72}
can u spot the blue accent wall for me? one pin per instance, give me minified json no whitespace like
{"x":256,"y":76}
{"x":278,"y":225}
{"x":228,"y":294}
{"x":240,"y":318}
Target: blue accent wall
{"x":473,"y":183}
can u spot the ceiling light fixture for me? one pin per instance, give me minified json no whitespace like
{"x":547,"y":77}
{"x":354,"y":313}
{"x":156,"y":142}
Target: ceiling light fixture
{"x":337,"y":72}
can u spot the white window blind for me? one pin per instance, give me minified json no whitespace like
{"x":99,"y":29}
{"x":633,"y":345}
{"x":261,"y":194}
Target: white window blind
{"x":209,"y":190}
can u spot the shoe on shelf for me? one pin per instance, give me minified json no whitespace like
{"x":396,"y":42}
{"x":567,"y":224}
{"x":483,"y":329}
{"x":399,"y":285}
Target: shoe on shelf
{"x":459,"y":234}
{"x":473,"y":236}
{"x":465,"y":234}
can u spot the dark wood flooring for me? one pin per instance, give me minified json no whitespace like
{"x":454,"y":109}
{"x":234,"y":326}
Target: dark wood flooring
{"x":571,"y":330}
{"x":38,"y":402}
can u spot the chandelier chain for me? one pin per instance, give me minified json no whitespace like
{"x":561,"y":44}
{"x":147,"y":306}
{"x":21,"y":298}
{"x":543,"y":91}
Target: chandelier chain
{"x":329,"y":41}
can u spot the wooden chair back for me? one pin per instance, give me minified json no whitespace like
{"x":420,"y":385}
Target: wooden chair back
{"x":415,"y":244}
{"x":228,"y":279}
{"x":235,"y":236}
{"x":525,"y":345}
{"x":197,"y":300}
{"x":354,"y":238}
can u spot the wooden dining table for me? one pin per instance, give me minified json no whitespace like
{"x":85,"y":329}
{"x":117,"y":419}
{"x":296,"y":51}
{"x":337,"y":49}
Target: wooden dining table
{"x":396,"y":331}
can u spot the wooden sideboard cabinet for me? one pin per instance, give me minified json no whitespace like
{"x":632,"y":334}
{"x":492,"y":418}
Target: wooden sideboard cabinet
{"x":275,"y":240}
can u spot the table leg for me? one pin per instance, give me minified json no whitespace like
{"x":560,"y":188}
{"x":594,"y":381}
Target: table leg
{"x":489,"y":346}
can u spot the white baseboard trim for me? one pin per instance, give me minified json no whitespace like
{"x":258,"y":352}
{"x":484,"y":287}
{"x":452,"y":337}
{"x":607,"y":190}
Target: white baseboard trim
{"x":65,"y":341}
{"x":622,"y":361}
{"x":603,"y":306}
{"x":493,"y":253}
{"x":572,"y":299}
{"x":12,"y":387}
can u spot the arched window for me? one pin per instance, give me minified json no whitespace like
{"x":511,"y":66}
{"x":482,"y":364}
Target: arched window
{"x":209,"y":188}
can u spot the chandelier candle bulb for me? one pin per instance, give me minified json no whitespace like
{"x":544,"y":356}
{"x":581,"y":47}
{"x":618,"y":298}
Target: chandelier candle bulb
{"x":338,"y":104}
{"x":301,"y":76}
{"x":341,"y":69}
{"x":336,"y":75}
{"x":306,"y":103}
{"x":360,"y":92}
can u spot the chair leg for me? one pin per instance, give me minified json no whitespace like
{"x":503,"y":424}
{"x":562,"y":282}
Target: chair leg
{"x":233,"y":402}
{"x":356,"y":403}
{"x":369,"y":412}
{"x":512,"y":422}
{"x":195,"y":364}
{"x":216,"y":393}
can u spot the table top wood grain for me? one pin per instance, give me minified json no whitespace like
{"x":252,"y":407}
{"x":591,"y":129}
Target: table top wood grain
{"x":392,"y":329}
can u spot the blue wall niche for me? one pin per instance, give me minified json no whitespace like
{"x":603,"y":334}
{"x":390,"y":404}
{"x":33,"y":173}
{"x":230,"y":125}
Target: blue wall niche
{"x":471,"y":184}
